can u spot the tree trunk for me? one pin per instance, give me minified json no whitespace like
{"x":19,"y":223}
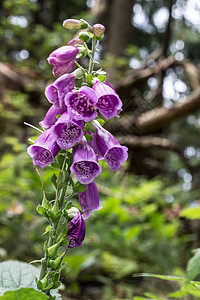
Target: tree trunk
{"x":119,"y":26}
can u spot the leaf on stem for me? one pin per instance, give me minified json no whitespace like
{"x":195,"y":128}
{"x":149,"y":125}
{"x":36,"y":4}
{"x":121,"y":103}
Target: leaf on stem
{"x":53,"y":180}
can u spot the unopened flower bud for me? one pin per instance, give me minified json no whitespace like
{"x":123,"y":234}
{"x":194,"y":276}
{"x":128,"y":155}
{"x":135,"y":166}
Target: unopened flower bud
{"x":98,"y":30}
{"x":72,"y":24}
{"x":72,"y":212}
{"x":84,"y":36}
{"x":75,"y":24}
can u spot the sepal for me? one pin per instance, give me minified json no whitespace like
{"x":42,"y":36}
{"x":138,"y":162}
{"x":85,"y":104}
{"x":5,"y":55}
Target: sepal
{"x":52,"y":250}
{"x":41,"y":210}
{"x":55,"y":264}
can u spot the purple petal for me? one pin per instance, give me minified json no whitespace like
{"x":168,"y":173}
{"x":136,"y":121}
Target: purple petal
{"x":109,"y":103}
{"x":62,"y":55}
{"x":75,"y":41}
{"x":50,"y":117}
{"x":44,"y":150}
{"x":85,"y":166}
{"x":116,"y":156}
{"x":67,"y":131}
{"x":57,"y":91}
{"x":81,"y":104}
{"x":76,"y":231}
{"x":63,"y":69}
{"x":89,"y":200}
{"x":109,"y":148}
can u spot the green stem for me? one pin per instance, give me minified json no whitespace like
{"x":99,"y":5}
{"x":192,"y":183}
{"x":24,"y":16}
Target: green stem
{"x":91,"y":64}
{"x":60,"y":197}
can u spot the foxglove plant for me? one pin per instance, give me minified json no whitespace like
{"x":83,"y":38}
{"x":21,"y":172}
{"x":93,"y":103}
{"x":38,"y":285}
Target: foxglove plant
{"x":73,"y":142}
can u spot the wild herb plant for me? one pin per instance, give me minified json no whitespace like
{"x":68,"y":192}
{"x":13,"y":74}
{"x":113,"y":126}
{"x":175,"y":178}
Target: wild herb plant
{"x":73,"y":140}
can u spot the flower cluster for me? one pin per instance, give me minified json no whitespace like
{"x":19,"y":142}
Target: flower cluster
{"x":72,"y":118}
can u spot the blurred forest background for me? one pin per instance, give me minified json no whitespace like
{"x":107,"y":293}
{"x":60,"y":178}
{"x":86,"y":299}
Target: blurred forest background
{"x":151,"y":208}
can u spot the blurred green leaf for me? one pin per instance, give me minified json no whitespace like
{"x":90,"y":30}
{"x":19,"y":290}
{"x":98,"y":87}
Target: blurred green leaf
{"x":191,"y":213}
{"x":193,"y":266}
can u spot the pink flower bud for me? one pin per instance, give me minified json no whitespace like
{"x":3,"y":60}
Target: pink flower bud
{"x":75,"y":24}
{"x":72,"y":24}
{"x":98,"y":30}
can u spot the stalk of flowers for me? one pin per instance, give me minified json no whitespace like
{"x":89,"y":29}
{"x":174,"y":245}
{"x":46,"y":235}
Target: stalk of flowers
{"x":73,"y":142}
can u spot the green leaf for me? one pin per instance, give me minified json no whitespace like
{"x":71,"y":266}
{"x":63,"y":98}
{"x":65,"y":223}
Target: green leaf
{"x":55,"y":165}
{"x":191,"y":213}
{"x":45,"y":203}
{"x":79,"y":187}
{"x":164,"y":277}
{"x":89,"y":78}
{"x":177,"y":294}
{"x":69,"y":205}
{"x":53,"y":180}
{"x":24,"y":294}
{"x":15,"y":274}
{"x":193,"y":266}
{"x":48,"y":228}
{"x":152,"y":296}
{"x":88,"y":137}
{"x":90,"y":34}
{"x":87,"y":127}
{"x":102,"y":78}
{"x":101,"y":121}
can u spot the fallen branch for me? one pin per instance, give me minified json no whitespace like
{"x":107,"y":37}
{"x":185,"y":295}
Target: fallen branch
{"x":140,"y":76}
{"x":155,"y":119}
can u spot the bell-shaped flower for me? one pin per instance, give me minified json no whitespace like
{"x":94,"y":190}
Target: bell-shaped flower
{"x":85,"y":163}
{"x":89,"y":200}
{"x":50,"y":117}
{"x":81,"y":104}
{"x":57,"y":91}
{"x":67,"y":131}
{"x":109,"y":103}
{"x":76,"y":231}
{"x":114,"y":154}
{"x":44,"y":150}
{"x":63,"y":59}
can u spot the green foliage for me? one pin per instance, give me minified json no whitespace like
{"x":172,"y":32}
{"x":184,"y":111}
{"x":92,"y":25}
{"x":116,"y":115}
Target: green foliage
{"x":19,"y":277}
{"x":15,"y":274}
{"x":193,"y":266}
{"x":191,"y":213}
{"x":24,"y":294}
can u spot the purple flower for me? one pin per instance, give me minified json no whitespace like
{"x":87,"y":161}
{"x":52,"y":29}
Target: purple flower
{"x":50,"y":117}
{"x":76,"y":231}
{"x":85,"y":166}
{"x":44,"y":149}
{"x":109,"y":103}
{"x":110,"y":148}
{"x":67,"y":131}
{"x":89,"y":200}
{"x":81,"y":104}
{"x":63,"y":59}
{"x":57,"y":91}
